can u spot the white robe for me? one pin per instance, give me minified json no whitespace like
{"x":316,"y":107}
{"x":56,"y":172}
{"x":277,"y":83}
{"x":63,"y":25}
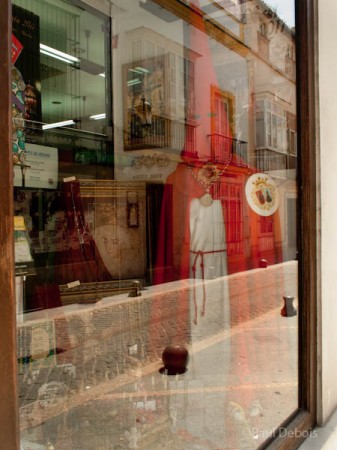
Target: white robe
{"x":209,"y":362}
{"x":207,"y":232}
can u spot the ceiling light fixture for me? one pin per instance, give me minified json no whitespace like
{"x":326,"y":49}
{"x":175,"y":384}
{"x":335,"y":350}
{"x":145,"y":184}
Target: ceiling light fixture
{"x":58,"y":124}
{"x":132,"y":82}
{"x":59,"y":58}
{"x":136,"y":71}
{"x":98,"y":116}
{"x":142,"y":69}
{"x":57,"y":54}
{"x":91,"y":67}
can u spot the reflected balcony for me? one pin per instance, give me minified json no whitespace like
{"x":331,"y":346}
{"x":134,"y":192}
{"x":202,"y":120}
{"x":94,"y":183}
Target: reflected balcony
{"x":160,"y":132}
{"x":224,"y":148}
{"x":282,"y":165}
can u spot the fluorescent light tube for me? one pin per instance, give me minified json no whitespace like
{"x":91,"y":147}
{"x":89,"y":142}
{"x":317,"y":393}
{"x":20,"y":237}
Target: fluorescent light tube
{"x":58,"y":124}
{"x":136,"y":71}
{"x":97,"y":116}
{"x":59,"y":58}
{"x":57,"y":54}
{"x":132,"y":82}
{"x":142,"y":70}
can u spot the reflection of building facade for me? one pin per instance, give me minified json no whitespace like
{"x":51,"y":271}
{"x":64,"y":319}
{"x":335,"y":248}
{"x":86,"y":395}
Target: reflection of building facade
{"x":257,"y":82}
{"x":273,"y":87}
{"x":273,"y":90}
{"x":195,"y":102}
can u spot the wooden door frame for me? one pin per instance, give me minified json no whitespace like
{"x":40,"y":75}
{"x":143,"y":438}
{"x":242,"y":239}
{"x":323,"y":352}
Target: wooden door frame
{"x":9,"y":411}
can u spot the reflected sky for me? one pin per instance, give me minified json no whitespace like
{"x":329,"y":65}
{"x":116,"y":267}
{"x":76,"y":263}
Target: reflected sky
{"x":284,"y":9}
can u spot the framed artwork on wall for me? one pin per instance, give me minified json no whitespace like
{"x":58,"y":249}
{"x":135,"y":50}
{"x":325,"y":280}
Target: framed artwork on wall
{"x":115,"y":215}
{"x":146,"y":118}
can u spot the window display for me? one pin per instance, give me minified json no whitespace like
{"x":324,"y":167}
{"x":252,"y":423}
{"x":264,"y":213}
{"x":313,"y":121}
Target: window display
{"x":155,"y":175}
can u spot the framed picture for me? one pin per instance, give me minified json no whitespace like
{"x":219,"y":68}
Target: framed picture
{"x":115,"y":214}
{"x":146,"y":113}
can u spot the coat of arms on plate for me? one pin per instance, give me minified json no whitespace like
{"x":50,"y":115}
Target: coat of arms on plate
{"x":262,"y":194}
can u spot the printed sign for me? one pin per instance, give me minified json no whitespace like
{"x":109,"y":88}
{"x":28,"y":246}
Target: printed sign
{"x":40,"y":169}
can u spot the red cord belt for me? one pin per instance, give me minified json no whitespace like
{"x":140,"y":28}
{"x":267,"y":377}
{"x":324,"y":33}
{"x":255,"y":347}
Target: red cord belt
{"x":194,"y":268}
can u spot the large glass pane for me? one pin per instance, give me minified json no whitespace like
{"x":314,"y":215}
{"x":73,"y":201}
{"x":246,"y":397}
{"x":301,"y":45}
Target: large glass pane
{"x":156,"y":230}
{"x":63,"y":60}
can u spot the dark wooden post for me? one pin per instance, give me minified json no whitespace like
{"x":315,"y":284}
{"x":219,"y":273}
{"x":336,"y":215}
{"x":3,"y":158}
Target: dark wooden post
{"x":9,"y":423}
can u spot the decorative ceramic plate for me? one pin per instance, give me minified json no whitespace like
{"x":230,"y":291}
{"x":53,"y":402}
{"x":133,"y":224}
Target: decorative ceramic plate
{"x":262,"y":194}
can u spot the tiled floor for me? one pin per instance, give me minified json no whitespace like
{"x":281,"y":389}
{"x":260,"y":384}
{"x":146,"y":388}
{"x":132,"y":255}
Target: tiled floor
{"x":240,"y":385}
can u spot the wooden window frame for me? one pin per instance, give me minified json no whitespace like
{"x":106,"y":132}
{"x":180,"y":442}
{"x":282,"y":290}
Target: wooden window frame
{"x":9,"y":409}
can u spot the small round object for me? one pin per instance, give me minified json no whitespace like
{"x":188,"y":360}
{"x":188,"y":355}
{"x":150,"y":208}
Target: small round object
{"x":21,"y":143}
{"x":175,"y":358}
{"x":15,"y":158}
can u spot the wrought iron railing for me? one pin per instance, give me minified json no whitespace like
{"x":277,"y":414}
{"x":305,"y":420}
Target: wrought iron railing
{"x":179,"y":135}
{"x":270,"y":161}
{"x":224,"y":148}
{"x":162,"y":133}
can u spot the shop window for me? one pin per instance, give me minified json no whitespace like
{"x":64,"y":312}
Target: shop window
{"x":152,"y":244}
{"x":67,"y":49}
